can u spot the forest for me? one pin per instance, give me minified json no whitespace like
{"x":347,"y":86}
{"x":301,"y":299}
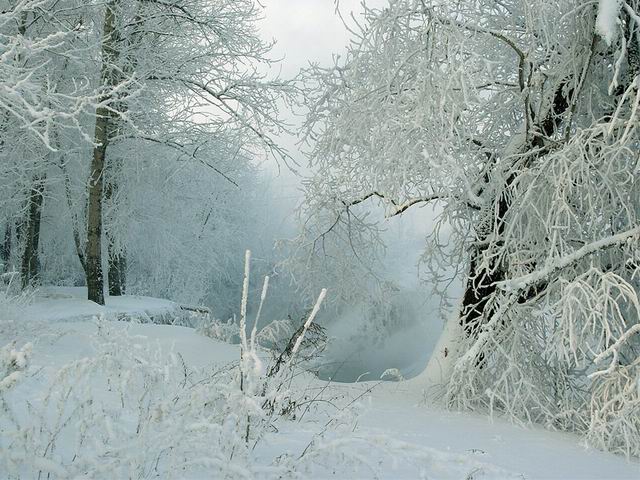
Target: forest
{"x":319,"y":239}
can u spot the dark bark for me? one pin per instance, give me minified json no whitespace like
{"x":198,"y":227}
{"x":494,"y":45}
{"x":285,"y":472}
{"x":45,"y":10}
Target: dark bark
{"x":5,"y":249}
{"x":93,"y":259}
{"x":116,"y":257}
{"x":482,"y":279}
{"x":30,"y":260}
{"x":117,"y":273}
{"x":486,"y":270}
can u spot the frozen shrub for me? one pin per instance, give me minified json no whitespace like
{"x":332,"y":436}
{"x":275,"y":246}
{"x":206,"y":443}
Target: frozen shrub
{"x":13,"y":363}
{"x":219,"y":330}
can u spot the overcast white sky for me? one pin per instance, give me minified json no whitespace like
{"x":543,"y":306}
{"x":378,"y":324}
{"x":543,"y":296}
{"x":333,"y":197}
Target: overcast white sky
{"x":306,"y":30}
{"x":310,"y":30}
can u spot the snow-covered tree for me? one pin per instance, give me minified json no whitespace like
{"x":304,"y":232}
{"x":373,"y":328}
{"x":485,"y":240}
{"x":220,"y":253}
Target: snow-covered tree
{"x":100,"y":98}
{"x":35,"y":35}
{"x":198,"y":65}
{"x":45,"y":96}
{"x":519,"y":120}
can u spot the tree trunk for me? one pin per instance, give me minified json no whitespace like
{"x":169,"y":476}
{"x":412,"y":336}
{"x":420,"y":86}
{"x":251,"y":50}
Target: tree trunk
{"x":93,"y":255}
{"x":115,"y":256}
{"x":117,"y":272}
{"x":481,"y":283}
{"x":30,"y":260}
{"x":480,"y":287}
{"x":95,"y":281}
{"x":5,"y":249}
{"x":80,"y":250}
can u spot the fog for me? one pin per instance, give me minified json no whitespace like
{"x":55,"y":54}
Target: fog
{"x":306,"y":32}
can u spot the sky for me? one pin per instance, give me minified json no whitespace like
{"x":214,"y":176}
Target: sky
{"x":306,"y":30}
{"x":311,"y":31}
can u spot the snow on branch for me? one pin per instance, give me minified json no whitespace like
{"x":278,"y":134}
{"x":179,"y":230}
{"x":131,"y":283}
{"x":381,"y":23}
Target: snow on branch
{"x":614,"y":351}
{"x":607,"y":19}
{"x":399,"y":208}
{"x":534,"y":278}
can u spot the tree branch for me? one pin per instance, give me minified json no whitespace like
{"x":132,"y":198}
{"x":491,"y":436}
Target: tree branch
{"x":399,"y":208}
{"x":540,"y":276}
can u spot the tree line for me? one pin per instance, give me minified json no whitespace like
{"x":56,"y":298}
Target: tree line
{"x":104,"y":100}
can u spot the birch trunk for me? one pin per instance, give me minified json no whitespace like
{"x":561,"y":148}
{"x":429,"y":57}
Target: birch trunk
{"x":94,"y":273}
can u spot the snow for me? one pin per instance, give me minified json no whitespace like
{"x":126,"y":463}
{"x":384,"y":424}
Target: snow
{"x":73,"y":340}
{"x":607,"y":19}
{"x":533,"y":452}
{"x":391,"y":434}
{"x":70,"y":303}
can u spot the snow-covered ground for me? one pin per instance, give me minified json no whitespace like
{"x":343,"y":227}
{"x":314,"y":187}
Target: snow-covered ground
{"x":70,"y":303}
{"x":376,"y":430}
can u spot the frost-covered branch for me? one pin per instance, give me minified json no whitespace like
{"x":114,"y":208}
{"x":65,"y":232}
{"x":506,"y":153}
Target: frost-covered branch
{"x":555,"y":265}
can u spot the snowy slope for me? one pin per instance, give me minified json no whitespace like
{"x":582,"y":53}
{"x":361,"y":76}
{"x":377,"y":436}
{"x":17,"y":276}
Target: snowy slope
{"x":70,"y":303}
{"x":534,"y":452}
{"x":384,"y":431}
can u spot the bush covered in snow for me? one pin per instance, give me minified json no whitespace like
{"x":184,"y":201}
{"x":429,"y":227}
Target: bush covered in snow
{"x":133,"y":410}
